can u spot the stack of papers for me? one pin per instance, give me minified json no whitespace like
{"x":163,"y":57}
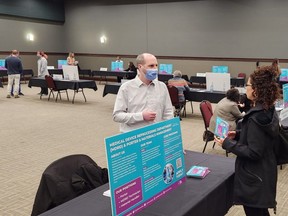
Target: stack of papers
{"x":198,"y":172}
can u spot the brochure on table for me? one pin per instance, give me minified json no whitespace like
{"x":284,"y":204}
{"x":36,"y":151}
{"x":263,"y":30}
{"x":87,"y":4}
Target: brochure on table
{"x":144,"y":165}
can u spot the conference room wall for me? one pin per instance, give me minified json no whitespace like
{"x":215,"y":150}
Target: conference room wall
{"x":47,"y":36}
{"x":222,"y":28}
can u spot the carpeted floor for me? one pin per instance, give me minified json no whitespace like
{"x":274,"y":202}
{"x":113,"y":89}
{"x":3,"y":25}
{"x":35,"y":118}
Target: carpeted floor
{"x":36,"y":132}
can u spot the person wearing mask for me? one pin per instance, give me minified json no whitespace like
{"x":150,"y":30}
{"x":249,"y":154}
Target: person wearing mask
{"x":228,"y":110}
{"x":256,"y":168}
{"x":181,"y":85}
{"x":14,"y":68}
{"x":143,"y":100}
{"x":42,"y":69}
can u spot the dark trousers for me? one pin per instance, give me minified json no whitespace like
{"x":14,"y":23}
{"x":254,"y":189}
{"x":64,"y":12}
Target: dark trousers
{"x":250,"y":211}
{"x":44,"y":90}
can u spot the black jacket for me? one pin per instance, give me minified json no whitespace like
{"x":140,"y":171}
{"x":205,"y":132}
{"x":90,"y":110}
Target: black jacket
{"x":255,"y":168}
{"x":66,"y":179}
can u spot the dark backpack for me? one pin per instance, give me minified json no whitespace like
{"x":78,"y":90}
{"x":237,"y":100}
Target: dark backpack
{"x":281,"y":149}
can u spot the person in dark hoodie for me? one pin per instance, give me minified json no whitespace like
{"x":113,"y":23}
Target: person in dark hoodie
{"x":255,"y":168}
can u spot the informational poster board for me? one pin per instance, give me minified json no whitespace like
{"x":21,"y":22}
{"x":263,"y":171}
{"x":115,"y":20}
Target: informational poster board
{"x":61,"y":63}
{"x":117,"y":66}
{"x":217,"y":81}
{"x":2,"y":64}
{"x":165,"y":68}
{"x":144,"y":165}
{"x":285,"y":95}
{"x":70,"y":72}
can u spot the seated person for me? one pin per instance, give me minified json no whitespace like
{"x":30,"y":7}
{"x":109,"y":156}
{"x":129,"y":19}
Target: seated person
{"x":131,"y":67}
{"x":181,"y":85}
{"x":245,"y":104}
{"x":228,"y":110}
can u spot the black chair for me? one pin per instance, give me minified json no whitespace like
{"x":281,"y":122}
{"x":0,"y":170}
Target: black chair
{"x":173,"y":92}
{"x":52,"y":87}
{"x":65,"y":179}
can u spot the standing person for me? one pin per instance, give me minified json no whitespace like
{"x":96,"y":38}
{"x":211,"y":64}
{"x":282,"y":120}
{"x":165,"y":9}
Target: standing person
{"x":276,"y":66}
{"x":255,"y":168}
{"x":142,"y":100}
{"x":14,"y":68}
{"x":71,"y":59}
{"x":118,"y":59}
{"x":42,"y":69}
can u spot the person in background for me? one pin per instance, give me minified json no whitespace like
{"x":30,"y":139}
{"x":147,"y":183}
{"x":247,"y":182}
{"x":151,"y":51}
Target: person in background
{"x":257,"y":64}
{"x":12,"y":89}
{"x":14,"y":68}
{"x":131,"y":67}
{"x":256,"y":168}
{"x":228,"y":110}
{"x":71,"y":59}
{"x":181,"y":85}
{"x":143,"y":100}
{"x":118,"y":59}
{"x":42,"y":69}
{"x":276,"y":66}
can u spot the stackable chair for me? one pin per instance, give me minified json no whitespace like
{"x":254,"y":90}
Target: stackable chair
{"x":52,"y":87}
{"x":207,"y":113}
{"x":65,"y":179}
{"x":173,"y":92}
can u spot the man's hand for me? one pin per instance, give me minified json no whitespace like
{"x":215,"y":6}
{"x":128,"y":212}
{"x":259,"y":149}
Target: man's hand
{"x":149,"y":115}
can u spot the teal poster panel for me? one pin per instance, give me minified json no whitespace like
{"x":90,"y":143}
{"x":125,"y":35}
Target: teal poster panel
{"x":144,"y":165}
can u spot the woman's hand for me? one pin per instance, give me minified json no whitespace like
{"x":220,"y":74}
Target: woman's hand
{"x":219,"y":140}
{"x":231,"y":134}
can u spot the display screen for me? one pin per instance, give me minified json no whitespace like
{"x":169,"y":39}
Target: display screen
{"x":284,"y":74}
{"x":220,"y":69}
{"x":2,"y":64}
{"x":165,"y":69}
{"x":117,"y":66}
{"x":61,"y":62}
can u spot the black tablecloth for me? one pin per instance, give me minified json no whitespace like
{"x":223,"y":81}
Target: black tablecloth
{"x":211,"y":196}
{"x":201,"y":94}
{"x":63,"y":84}
{"x":1,"y":85}
{"x":114,"y":73}
{"x":234,"y":81}
{"x":111,"y":89}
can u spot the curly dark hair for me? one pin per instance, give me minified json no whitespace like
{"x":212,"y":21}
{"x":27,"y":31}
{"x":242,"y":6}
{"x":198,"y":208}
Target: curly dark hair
{"x":233,"y":95}
{"x":265,"y":86}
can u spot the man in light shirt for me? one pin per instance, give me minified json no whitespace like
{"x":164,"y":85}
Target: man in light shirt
{"x":143,"y":100}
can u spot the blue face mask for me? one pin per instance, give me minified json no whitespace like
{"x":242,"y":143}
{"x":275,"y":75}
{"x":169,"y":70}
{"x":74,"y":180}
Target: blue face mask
{"x":151,"y":74}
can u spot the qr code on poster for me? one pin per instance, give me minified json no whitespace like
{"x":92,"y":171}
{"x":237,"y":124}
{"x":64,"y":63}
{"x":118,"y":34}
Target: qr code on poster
{"x":178,"y":163}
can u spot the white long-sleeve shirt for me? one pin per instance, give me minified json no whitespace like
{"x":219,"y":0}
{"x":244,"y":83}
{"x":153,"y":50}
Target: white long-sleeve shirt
{"x":134,"y":97}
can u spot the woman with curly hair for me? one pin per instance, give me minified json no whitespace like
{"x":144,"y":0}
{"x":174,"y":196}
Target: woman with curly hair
{"x":255,"y":168}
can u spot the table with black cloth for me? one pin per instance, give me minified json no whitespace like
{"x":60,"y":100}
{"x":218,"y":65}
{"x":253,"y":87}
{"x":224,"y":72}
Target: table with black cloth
{"x":1,"y":85}
{"x":203,"y":94}
{"x":211,"y":196}
{"x":104,"y":74}
{"x":76,"y":85}
{"x":234,"y":81}
{"x":192,"y":95}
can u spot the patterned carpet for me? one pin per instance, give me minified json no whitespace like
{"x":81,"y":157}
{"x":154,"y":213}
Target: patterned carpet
{"x":36,"y":132}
